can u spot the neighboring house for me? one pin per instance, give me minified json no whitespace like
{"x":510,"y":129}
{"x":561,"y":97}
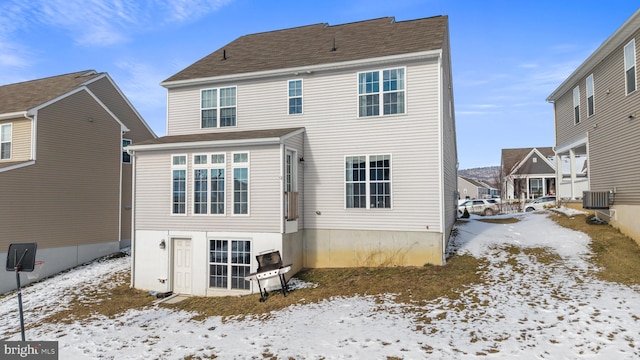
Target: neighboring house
{"x":62,"y":180}
{"x":528,"y":173}
{"x":334,"y":145}
{"x":597,"y":115}
{"x":473,"y":189}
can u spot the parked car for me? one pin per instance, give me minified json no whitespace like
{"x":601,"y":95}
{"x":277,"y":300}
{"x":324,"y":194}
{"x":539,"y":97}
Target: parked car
{"x":540,"y":203}
{"x":479,"y":206}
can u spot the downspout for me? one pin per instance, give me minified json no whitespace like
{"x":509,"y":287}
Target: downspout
{"x":133,"y":217}
{"x":34,"y":133}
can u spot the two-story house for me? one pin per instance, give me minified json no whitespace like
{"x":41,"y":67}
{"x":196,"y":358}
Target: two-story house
{"x":333,"y":144}
{"x":65,"y":181}
{"x":597,"y":115}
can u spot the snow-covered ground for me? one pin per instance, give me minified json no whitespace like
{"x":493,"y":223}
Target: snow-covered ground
{"x":526,"y":308}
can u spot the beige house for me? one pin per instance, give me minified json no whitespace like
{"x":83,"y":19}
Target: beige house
{"x":528,"y":173}
{"x":64,"y":178}
{"x":597,"y":109}
{"x":333,"y":144}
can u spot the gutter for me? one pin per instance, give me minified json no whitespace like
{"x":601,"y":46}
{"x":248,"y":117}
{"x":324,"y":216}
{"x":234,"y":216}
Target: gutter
{"x":304,"y":69}
{"x":208,"y":143}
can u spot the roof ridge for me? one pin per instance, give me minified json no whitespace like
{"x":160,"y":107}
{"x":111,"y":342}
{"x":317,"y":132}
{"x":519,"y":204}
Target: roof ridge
{"x":81,"y":73}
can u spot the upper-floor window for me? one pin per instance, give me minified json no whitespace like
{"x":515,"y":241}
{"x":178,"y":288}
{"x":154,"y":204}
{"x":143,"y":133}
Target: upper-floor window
{"x":126,"y":157}
{"x":208,"y":183}
{"x":392,"y":91}
{"x":576,"y":104}
{"x":630,"y":66}
{"x":5,"y":141}
{"x":368,"y":181}
{"x":218,"y":107}
{"x":240,"y":167}
{"x":295,"y":97}
{"x":590,"y":104}
{"x":179,"y":184}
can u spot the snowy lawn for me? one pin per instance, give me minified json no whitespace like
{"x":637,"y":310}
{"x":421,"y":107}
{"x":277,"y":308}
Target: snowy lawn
{"x":538,"y":299}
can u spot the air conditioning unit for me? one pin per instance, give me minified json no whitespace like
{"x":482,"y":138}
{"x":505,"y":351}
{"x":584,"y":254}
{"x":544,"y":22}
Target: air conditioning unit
{"x":597,"y":199}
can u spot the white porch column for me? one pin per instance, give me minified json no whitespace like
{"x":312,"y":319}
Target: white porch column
{"x":572,"y":167}
{"x":558,"y":175}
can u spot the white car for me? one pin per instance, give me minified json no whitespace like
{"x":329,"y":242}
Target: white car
{"x":486,"y":207}
{"x":540,"y":203}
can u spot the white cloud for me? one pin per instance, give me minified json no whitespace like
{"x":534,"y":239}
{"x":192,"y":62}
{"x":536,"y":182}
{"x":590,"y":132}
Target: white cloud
{"x":99,"y":22}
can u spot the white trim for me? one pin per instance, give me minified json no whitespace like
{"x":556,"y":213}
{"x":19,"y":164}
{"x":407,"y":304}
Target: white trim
{"x":576,"y":104}
{"x":115,"y":86}
{"x":605,"y":49}
{"x":629,"y":66}
{"x":10,"y":125}
{"x":574,"y":144}
{"x":372,"y":62}
{"x":214,"y":143}
{"x":441,"y":178}
{"x":218,"y":108}
{"x":590,"y":87}
{"x":123,"y":127}
{"x":17,"y":166}
{"x":13,"y":115}
{"x":184,"y":167}
{"x":367,"y":182}
{"x":289,"y":97}
{"x":240,"y":165}
{"x":524,"y":160}
{"x":381,"y":92}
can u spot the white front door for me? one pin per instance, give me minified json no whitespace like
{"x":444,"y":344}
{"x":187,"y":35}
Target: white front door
{"x":182,"y":266}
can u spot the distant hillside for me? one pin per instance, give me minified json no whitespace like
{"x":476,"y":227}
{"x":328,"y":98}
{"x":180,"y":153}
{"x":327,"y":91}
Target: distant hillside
{"x":488,"y":174}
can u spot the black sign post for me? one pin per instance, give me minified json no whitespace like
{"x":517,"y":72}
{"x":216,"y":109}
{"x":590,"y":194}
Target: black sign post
{"x":21,"y":257}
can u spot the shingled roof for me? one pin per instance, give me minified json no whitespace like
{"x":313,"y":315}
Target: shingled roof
{"x":219,"y":136}
{"x":29,"y":94}
{"x":511,"y":157}
{"x":319,"y":44}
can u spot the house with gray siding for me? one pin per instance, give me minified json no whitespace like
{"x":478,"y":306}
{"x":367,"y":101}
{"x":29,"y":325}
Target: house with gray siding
{"x":597,"y":110}
{"x":332,"y":144}
{"x":528,"y":173}
{"x":64,"y":177}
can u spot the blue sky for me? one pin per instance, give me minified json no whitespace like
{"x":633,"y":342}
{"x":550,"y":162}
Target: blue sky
{"x":507,"y":56}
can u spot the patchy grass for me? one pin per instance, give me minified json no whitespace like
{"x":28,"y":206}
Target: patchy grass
{"x":411,"y":284}
{"x":509,"y":220}
{"x":108,"y":301}
{"x":617,"y":255}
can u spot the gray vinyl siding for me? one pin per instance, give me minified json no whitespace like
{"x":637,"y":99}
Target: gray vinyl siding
{"x":153,"y":192}
{"x":70,"y":196}
{"x":333,"y":131}
{"x":138,"y":131}
{"x":613,"y":138}
{"x":449,"y":145}
{"x":20,"y":139}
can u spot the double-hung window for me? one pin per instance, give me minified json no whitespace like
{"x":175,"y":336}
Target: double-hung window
{"x":179,"y":184}
{"x":229,"y":263}
{"x":208,"y":184}
{"x":381,"y":92}
{"x":240,"y":166}
{"x":218,"y":107}
{"x":576,"y":104}
{"x":126,"y":157}
{"x":295,"y":97}
{"x":5,"y":141}
{"x":368,"y":181}
{"x":590,"y":103}
{"x":630,"y":66}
